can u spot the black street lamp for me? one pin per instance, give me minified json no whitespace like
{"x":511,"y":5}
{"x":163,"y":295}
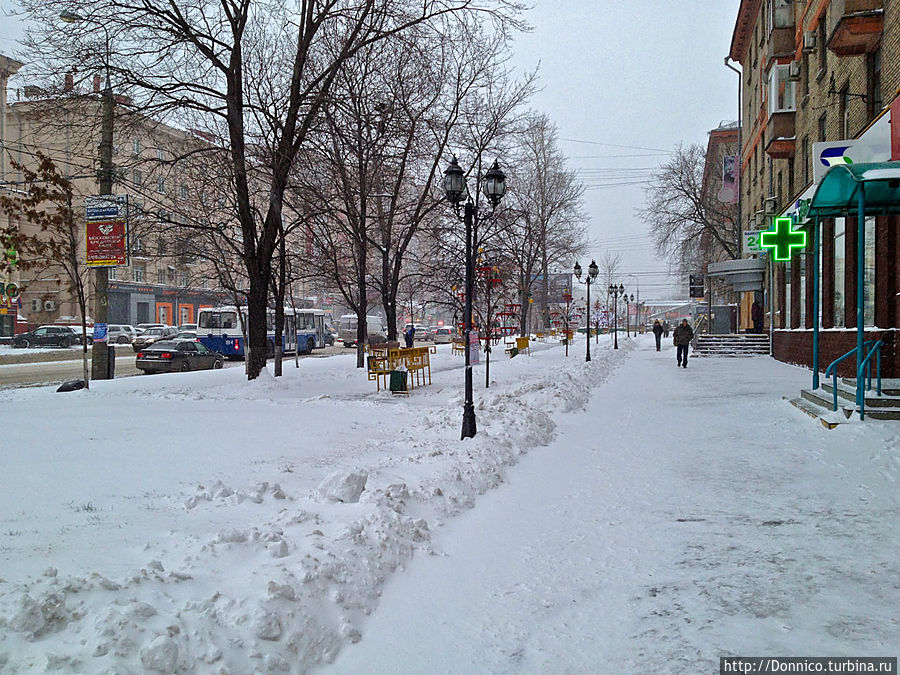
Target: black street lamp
{"x":567,"y":296}
{"x":627,"y":313}
{"x":593,"y":271}
{"x":100,"y":350}
{"x":615,"y":292}
{"x":493,"y":184}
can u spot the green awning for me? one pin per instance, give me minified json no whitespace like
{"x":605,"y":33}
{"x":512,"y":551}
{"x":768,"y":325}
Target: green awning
{"x":838,"y":193}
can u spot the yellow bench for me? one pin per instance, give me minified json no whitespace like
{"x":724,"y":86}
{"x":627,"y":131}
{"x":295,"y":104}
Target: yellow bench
{"x":416,"y":360}
{"x":521,"y":345}
{"x":458,"y":346}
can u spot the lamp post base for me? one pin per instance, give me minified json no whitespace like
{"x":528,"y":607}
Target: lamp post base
{"x":468,"y":426}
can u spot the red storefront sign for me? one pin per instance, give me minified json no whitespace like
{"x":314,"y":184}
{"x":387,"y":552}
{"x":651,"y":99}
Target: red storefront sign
{"x":106,"y":220}
{"x":106,"y":243}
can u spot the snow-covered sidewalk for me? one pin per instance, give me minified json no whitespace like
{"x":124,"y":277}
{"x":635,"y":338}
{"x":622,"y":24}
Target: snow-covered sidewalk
{"x":622,"y":511}
{"x":686,"y":515}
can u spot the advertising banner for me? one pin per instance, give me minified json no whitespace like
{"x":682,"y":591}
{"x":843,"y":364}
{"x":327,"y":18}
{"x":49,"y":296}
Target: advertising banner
{"x":106,"y":218}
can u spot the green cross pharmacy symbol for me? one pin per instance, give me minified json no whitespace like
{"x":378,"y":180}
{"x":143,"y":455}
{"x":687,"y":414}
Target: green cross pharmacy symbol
{"x":783,"y":239}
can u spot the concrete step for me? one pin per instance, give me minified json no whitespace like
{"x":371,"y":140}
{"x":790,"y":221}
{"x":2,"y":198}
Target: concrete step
{"x":847,"y":393}
{"x":812,"y":410}
{"x":890,"y":386}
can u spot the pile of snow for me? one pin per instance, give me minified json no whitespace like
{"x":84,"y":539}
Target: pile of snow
{"x":199,"y":521}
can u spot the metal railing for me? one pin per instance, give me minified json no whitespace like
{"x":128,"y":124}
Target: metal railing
{"x":864,"y":366}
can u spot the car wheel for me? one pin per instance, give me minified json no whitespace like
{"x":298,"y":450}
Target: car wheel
{"x":185,"y":366}
{"x":23,"y":344}
{"x":122,"y":340}
{"x":217,"y":365}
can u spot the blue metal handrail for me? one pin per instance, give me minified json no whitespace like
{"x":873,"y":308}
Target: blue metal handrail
{"x":831,"y":371}
{"x":866,"y":364}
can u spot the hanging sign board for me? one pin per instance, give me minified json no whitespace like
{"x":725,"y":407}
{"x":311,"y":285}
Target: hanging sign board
{"x":106,"y":218}
{"x":751,"y":241}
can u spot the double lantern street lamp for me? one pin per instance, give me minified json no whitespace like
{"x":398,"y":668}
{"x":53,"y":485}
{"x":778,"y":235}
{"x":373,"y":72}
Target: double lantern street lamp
{"x":615,"y":292}
{"x":593,"y":271}
{"x":493,"y":185}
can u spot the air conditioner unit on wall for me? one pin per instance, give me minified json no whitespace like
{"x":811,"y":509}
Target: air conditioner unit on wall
{"x":35,"y":305}
{"x":49,"y":306}
{"x":794,"y":72}
{"x":809,"y":40}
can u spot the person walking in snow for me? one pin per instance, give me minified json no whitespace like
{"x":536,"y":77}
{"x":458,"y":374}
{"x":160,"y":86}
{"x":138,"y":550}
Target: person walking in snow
{"x":409,"y":336}
{"x":756,"y":315}
{"x":682,"y":337}
{"x":666,"y":329}
{"x":657,"y":332}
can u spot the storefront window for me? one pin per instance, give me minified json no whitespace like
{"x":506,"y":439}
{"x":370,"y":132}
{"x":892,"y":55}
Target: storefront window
{"x":839,"y":271}
{"x":801,"y":310}
{"x":869,"y":275}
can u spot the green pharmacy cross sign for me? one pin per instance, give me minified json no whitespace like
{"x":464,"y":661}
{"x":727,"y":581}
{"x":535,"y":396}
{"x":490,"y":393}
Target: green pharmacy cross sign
{"x":783,"y":239}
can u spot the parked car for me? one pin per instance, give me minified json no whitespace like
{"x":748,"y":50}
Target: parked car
{"x":76,"y":331}
{"x":142,"y":327}
{"x":151,"y":335}
{"x":169,"y":356}
{"x":186,"y":335}
{"x":187,"y":326}
{"x":47,"y":336}
{"x":443,"y":335}
{"x":121,"y":333}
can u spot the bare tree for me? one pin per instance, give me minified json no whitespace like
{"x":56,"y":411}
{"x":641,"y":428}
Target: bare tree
{"x":256,"y":73}
{"x":682,"y":218}
{"x":47,"y":202}
{"x":547,"y":223}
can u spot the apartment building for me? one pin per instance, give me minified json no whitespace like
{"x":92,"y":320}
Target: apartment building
{"x":814,"y":72}
{"x":171,"y":270}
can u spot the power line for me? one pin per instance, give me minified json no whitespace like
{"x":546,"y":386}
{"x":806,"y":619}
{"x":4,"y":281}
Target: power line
{"x":613,"y":145}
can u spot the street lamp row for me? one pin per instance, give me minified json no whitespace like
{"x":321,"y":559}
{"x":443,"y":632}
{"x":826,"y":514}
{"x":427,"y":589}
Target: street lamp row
{"x":615,"y":292}
{"x":593,"y":271}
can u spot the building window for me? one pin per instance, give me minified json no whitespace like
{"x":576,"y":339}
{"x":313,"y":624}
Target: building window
{"x":160,"y":276}
{"x":136,"y":146}
{"x":845,"y":112}
{"x":823,"y":128}
{"x":805,"y":73}
{"x":171,"y":275}
{"x":137,"y":177}
{"x":782,"y":90}
{"x":783,"y":14}
{"x":137,"y":273}
{"x":161,"y":246}
{"x":806,"y":160}
{"x":874,"y":95}
{"x":161,"y":185}
{"x":160,"y":154}
{"x":821,"y":47}
{"x":113,"y":273}
{"x":183,"y":192}
{"x":137,"y":246}
{"x":183,"y":279}
{"x":839,"y":244}
{"x":204,"y":283}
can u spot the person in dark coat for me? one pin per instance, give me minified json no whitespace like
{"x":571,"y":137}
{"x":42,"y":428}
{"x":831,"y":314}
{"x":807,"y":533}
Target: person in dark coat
{"x":665,"y":329}
{"x":409,"y":336}
{"x":657,"y":332}
{"x":682,"y":337}
{"x":756,"y":314}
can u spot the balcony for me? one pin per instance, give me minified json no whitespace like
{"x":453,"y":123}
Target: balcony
{"x":857,"y":27}
{"x":781,"y":44}
{"x":780,"y":135}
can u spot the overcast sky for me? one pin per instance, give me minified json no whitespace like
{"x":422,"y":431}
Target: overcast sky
{"x":626,"y":83}
{"x":622,"y":79}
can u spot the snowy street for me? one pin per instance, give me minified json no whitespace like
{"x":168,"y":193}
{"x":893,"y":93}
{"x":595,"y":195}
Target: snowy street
{"x":619,"y":516}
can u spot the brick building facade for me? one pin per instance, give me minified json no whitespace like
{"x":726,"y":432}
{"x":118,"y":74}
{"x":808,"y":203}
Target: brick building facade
{"x":816,"y":71}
